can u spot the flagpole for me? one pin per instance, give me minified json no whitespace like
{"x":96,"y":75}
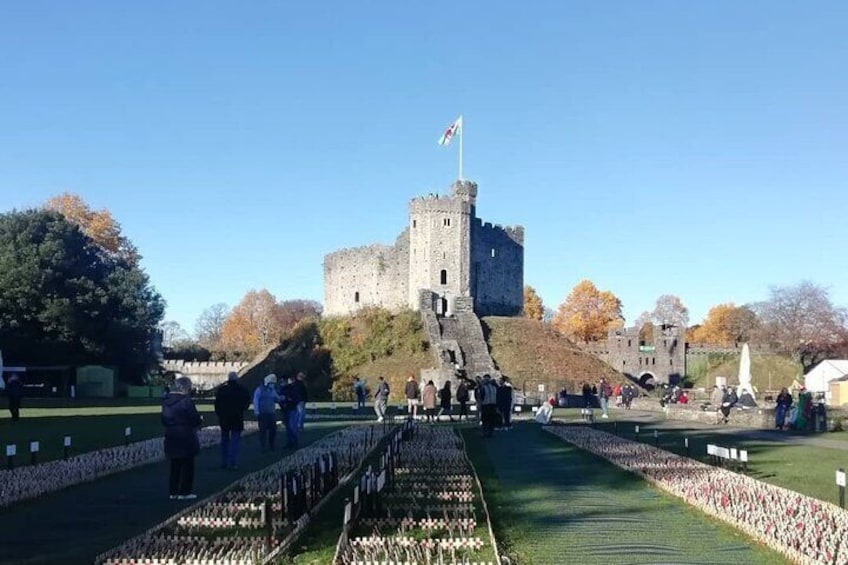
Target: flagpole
{"x":461,"y":131}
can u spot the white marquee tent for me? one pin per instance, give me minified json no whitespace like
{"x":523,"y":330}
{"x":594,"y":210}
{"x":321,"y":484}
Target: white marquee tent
{"x":819,"y":377}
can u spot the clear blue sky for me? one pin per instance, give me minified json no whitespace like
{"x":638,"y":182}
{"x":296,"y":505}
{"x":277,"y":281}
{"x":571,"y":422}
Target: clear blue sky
{"x":691,"y":148}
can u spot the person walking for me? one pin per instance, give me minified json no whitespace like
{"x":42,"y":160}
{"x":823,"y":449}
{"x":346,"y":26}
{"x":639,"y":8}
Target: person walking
{"x":290,"y":402}
{"x":15,"y":392}
{"x":504,"y":403}
{"x":445,"y":401}
{"x":588,"y":406}
{"x":265,"y":399}
{"x":462,"y":397}
{"x":411,"y":391}
{"x":302,"y":399}
{"x":428,"y":399}
{"x":784,"y":403}
{"x":359,"y":393}
{"x":604,"y":394}
{"x":181,"y":421}
{"x":381,"y":398}
{"x":231,"y":400}
{"x":487,"y":394}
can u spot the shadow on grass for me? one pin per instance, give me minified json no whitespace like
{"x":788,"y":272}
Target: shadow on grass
{"x":551,"y":502}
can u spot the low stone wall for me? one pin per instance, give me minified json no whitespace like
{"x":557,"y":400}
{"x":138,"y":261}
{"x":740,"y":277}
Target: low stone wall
{"x":757,"y":418}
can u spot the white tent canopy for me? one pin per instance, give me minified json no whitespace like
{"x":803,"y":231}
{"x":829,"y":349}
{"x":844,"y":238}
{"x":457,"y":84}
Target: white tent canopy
{"x":819,"y":377}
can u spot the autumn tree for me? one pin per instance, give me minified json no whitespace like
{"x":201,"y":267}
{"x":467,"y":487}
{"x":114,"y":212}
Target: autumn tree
{"x":646,"y":327}
{"x":588,"y":313}
{"x":99,"y":225}
{"x":253,"y":324}
{"x":670,"y":310}
{"x":802,"y":321}
{"x":725,"y":324}
{"x":291,"y":312}
{"x":209,"y":325}
{"x":533,"y":307}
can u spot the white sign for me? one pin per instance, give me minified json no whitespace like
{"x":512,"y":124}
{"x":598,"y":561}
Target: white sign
{"x":67,"y":441}
{"x":517,"y":409}
{"x":541,"y":388}
{"x":33,"y":447}
{"x":637,"y":428}
{"x":535,"y":409}
{"x":11,"y":450}
{"x":711,"y":449}
{"x":840,"y":478}
{"x":127,"y":431}
{"x":733,"y":454}
{"x":723,"y":452}
{"x":686,"y":442}
{"x":347,"y":514}
{"x":333,"y":406}
{"x":743,"y":455}
{"x":473,"y":407}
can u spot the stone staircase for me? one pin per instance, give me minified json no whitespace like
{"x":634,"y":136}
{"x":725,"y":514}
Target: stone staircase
{"x":456,"y":340}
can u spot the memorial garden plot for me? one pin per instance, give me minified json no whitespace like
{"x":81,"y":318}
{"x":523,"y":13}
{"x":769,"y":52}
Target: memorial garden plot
{"x":421,"y":504}
{"x":24,"y":482}
{"x":256,"y":517}
{"x":804,"y":529}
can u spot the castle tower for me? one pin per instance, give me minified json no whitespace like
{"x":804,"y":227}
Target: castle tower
{"x":440,"y":244}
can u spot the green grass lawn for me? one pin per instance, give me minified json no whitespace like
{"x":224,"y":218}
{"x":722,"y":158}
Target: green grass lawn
{"x":807,"y":469}
{"x":552,"y":503}
{"x":74,"y":525}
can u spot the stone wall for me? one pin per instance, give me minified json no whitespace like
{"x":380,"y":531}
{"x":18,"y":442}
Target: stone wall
{"x":204,"y":375}
{"x":665,"y":360}
{"x":374,"y":275}
{"x":497,"y":272}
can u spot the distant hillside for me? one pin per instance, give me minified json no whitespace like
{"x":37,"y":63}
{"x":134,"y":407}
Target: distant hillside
{"x":769,"y":371}
{"x":532,"y":353}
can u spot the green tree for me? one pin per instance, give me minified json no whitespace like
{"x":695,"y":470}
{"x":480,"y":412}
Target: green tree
{"x":64,"y":301}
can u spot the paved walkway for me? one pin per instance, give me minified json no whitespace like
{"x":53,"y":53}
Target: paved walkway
{"x":75,"y":525}
{"x":658,"y":420}
{"x":556,"y":504}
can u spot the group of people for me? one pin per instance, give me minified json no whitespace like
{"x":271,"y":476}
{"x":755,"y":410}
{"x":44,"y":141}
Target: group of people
{"x":290,"y":395}
{"x":182,"y":422}
{"x":724,"y":399}
{"x":434,"y":402}
{"x":673,"y":395}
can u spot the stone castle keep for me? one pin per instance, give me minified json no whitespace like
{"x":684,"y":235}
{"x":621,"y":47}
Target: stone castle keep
{"x":445,"y":250}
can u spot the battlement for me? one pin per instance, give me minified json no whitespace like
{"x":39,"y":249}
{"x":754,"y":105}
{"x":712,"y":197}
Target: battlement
{"x":202,"y":367}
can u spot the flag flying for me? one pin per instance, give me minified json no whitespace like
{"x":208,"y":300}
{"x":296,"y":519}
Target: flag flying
{"x":452,"y":130}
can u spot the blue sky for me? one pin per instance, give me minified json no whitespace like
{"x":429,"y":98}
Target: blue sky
{"x":690,"y":148}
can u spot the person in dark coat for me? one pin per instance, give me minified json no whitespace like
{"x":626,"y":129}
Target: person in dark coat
{"x":181,"y":421}
{"x":504,"y":402}
{"x":445,"y":400}
{"x":784,"y":403}
{"x":302,"y":399}
{"x":231,"y":400}
{"x":289,"y":400}
{"x":15,"y":392}
{"x":462,"y":398}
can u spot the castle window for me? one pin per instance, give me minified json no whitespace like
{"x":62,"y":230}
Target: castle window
{"x":653,"y":360}
{"x":493,"y":251}
{"x":623,"y":363}
{"x":671,"y":362}
{"x":443,"y":277}
{"x":414,"y":223}
{"x":628,"y":343}
{"x":446,"y":222}
{"x":356,"y":297}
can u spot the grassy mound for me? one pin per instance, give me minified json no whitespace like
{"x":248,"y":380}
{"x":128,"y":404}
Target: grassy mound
{"x":532,"y":353}
{"x":768,"y":371}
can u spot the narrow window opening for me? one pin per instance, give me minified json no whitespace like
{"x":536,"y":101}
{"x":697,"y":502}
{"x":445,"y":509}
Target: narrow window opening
{"x":653,"y":360}
{"x":444,"y":277}
{"x":493,"y":251}
{"x":356,"y":297}
{"x":628,"y":343}
{"x":414,"y":223}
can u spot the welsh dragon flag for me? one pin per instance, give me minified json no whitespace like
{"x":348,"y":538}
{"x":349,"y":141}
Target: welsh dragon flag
{"x":452,"y":130}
